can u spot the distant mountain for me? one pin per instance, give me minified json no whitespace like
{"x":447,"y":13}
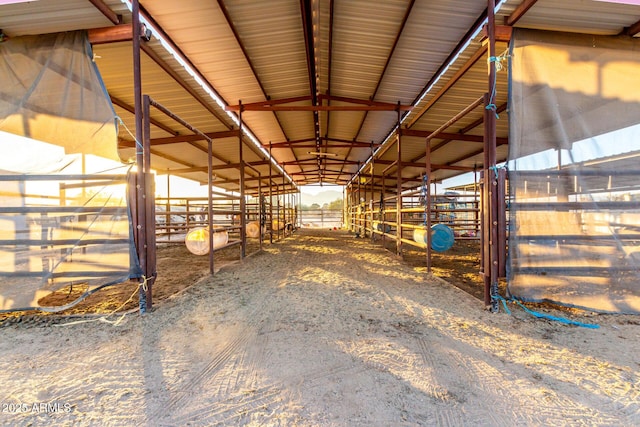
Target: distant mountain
{"x":321,"y":198}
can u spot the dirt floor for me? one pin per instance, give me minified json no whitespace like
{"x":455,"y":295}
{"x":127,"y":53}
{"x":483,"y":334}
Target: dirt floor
{"x":318,"y":329}
{"x":459,"y":266}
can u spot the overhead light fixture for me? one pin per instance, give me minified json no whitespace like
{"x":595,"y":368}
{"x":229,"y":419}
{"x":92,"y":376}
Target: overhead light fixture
{"x":320,"y":153}
{"x":171,"y":49}
{"x":145,"y":33}
{"x":6,"y":2}
{"x":631,"y":2}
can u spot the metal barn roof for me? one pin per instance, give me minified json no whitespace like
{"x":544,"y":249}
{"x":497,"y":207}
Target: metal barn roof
{"x":322,"y":83}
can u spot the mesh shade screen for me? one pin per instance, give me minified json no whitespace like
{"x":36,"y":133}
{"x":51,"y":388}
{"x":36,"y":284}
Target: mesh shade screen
{"x":64,"y":229}
{"x":574,"y":151}
{"x":52,"y":91}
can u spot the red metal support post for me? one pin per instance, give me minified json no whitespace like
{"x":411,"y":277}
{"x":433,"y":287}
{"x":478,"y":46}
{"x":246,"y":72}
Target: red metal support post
{"x":140,"y":231}
{"x":243,"y":206}
{"x":149,"y":205}
{"x":427,"y":201}
{"x":399,"y":188}
{"x":270,"y":195}
{"x":490,"y":173}
{"x":210,"y":203}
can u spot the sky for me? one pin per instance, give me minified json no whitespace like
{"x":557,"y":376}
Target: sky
{"x":19,"y":158}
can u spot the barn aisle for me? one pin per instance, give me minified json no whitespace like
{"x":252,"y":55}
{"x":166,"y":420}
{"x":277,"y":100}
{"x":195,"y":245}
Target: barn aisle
{"x":323,"y":329}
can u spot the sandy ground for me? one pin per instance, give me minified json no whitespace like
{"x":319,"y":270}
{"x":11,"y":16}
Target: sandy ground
{"x":322,"y":329}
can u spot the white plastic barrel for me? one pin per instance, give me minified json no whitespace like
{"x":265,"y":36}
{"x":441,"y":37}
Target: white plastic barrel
{"x":252,"y":229}
{"x":197,"y":240}
{"x":377,"y":225}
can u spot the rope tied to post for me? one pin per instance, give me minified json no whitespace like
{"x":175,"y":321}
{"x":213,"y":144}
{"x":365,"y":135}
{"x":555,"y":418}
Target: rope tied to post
{"x":496,"y":61}
{"x":424,"y":195}
{"x":138,"y":143}
{"x":499,"y":298}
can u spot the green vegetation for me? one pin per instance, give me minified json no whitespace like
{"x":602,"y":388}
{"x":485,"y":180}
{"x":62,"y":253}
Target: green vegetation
{"x":334,"y":205}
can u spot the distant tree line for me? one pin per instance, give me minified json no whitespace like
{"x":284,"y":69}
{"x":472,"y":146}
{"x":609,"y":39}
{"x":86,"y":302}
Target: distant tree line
{"x":335,"y":205}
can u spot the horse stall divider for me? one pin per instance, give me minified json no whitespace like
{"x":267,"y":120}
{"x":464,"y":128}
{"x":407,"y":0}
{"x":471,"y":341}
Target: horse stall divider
{"x":395,"y":215}
{"x":77,"y":239}
{"x":195,"y":210}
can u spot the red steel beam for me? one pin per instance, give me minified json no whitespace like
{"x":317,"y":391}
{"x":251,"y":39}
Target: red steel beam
{"x":299,"y":141}
{"x":356,"y":101}
{"x":119,"y":33}
{"x":106,"y":11}
{"x":328,"y":162}
{"x":405,"y":18}
{"x":120,"y":103}
{"x":519,"y":12}
{"x":167,"y":69}
{"x":232,"y":27}
{"x":183,"y":138}
{"x":267,"y":107}
{"x":472,"y":125}
{"x":457,"y":76}
{"x":310,"y":19}
{"x":502,"y":33}
{"x":355,"y":144}
{"x":632,"y":30}
{"x":490,"y":233}
{"x":287,"y":143}
{"x":446,"y":135}
{"x":259,"y":104}
{"x":329,"y":63}
{"x":176,"y":77}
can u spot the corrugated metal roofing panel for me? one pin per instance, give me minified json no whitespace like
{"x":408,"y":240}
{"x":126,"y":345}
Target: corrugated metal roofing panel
{"x":581,"y":16}
{"x":115,"y":64}
{"x":433,"y":30}
{"x":190,"y":24}
{"x":377,"y":125}
{"x":344,"y":125}
{"x":200,"y":30}
{"x":273,"y":37}
{"x":50,"y":16}
{"x":359,"y":54}
{"x":271,"y":33}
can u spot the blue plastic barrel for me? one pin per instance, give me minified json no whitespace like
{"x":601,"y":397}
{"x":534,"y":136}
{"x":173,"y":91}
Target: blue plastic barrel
{"x":442,"y":238}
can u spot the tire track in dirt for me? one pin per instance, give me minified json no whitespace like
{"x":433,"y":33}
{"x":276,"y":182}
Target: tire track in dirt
{"x":522,"y":400}
{"x":261,"y":354}
{"x":436,"y":390}
{"x":479,"y":380}
{"x":450,"y":383}
{"x":234,"y":348}
{"x":185,"y":390}
{"x":416,"y":369}
{"x":235,"y":409}
{"x":234,"y":372}
{"x":461,"y":379}
{"x":239,"y":405}
{"x":321,"y":376}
